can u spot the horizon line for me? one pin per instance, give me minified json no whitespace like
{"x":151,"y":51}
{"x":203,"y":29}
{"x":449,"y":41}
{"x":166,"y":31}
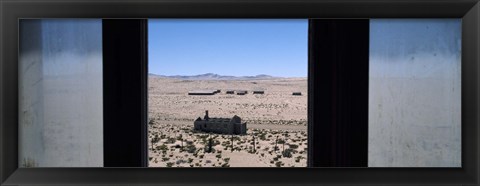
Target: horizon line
{"x":150,"y":73}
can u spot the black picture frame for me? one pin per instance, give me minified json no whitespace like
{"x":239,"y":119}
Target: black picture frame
{"x":11,"y":11}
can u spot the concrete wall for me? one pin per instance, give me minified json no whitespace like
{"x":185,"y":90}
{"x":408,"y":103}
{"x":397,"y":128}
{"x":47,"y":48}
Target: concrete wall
{"x":414,"y":93}
{"x":60,"y":93}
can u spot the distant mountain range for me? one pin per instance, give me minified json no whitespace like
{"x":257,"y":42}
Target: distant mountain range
{"x":212,"y":76}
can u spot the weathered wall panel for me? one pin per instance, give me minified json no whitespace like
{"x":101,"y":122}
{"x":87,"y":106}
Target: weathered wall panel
{"x":60,"y":93}
{"x":414,"y":93}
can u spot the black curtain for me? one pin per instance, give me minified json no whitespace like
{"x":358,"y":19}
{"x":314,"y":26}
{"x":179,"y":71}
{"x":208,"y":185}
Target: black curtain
{"x":338,"y":92}
{"x":124,"y":92}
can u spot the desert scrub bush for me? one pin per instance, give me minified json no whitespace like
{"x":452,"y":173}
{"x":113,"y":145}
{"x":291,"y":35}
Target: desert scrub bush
{"x":279,"y":164}
{"x":287,"y":153}
{"x":226,"y":143}
{"x":165,"y":159}
{"x":155,"y":139}
{"x":298,"y":158}
{"x":170,"y":164}
{"x":262,"y":136}
{"x":179,"y":137}
{"x":180,"y":161}
{"x":293,"y":146}
{"x":162,"y":147}
{"x":203,"y":137}
{"x":207,"y":149}
{"x":225,"y":165}
{"x":191,"y":148}
{"x":151,"y":121}
{"x":218,"y":156}
{"x":171,"y":140}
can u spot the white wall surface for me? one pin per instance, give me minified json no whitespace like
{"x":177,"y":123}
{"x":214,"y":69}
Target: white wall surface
{"x":414,"y":93}
{"x":60,"y":93}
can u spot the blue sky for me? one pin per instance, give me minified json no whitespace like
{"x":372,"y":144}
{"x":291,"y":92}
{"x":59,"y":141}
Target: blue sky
{"x":238,"y":47}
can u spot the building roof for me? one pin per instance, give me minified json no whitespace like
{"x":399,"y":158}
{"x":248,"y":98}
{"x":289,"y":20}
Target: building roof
{"x":202,"y":92}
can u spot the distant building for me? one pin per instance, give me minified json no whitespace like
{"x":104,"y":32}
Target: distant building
{"x":258,"y":92}
{"x":203,"y":92}
{"x":230,"y":92}
{"x":232,"y":125}
{"x":242,"y":92}
{"x":297,"y":93}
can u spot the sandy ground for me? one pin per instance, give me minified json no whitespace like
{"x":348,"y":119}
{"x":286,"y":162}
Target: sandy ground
{"x":276,"y":123}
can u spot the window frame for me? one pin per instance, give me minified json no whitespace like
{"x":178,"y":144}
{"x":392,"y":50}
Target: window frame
{"x":469,"y":9}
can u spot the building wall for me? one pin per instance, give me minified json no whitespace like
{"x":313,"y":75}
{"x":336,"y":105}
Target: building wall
{"x":215,"y":127}
{"x":240,"y":128}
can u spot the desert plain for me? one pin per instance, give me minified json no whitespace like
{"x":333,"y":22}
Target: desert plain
{"x":276,"y":122}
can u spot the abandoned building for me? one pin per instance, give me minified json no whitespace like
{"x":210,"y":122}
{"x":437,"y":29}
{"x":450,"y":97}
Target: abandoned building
{"x":297,"y":93}
{"x":203,"y":92}
{"x":241,"y":92}
{"x":258,"y":92}
{"x":232,"y":125}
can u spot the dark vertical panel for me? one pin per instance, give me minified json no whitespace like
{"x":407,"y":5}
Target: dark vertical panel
{"x":338,"y":73}
{"x":124,"y":82}
{"x":470,"y":110}
{"x":8,"y":96}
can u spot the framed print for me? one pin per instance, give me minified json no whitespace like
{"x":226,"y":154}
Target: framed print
{"x":245,"y":92}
